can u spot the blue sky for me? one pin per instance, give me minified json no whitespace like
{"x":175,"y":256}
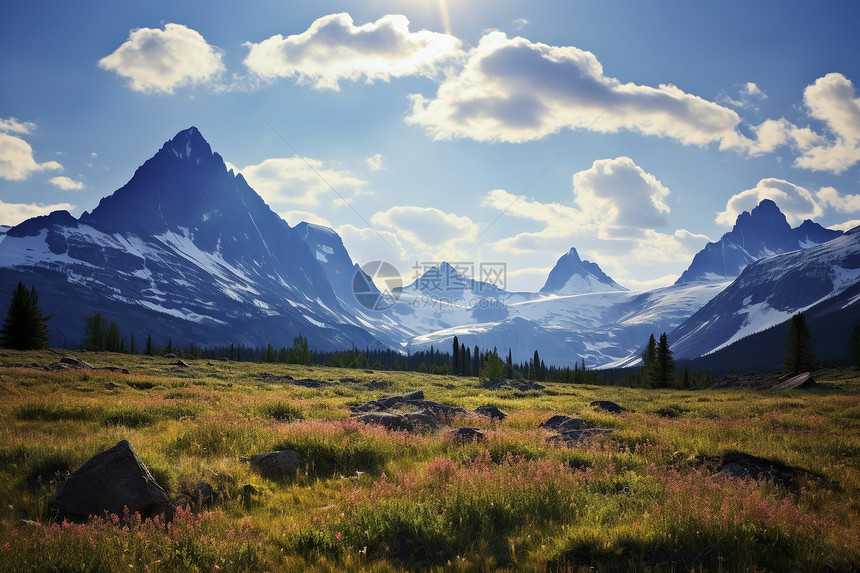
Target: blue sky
{"x":429,"y":130}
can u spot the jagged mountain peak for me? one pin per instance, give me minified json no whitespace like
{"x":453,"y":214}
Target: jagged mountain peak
{"x":572,"y":275}
{"x":188,"y":144}
{"x":758,"y":233}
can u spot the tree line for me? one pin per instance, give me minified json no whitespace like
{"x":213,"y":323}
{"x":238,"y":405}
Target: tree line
{"x":25,"y":328}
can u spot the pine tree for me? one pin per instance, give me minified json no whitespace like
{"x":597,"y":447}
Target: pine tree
{"x":455,"y":353}
{"x":96,"y":332}
{"x":462,"y":359}
{"x":113,"y":338}
{"x":649,"y":361}
{"x":132,"y":349}
{"x":299,"y":353}
{"x":665,"y":364}
{"x":800,"y":355}
{"x":149,"y":349}
{"x":270,"y":353}
{"x":24,"y":327}
{"x":467,"y":363}
{"x":536,"y":367}
{"x":509,"y":366}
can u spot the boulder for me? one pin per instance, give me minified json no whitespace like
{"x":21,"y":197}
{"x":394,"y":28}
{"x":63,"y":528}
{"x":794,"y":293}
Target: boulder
{"x":402,"y":422}
{"x":561,"y":423}
{"x":170,"y":355}
{"x":573,"y":437}
{"x":206,"y":495}
{"x":521,"y":385}
{"x":467,"y":435}
{"x":110,"y":482}
{"x":280,"y":465}
{"x":74,"y":363}
{"x":608,"y":406}
{"x":746,"y":466}
{"x":491,"y":412}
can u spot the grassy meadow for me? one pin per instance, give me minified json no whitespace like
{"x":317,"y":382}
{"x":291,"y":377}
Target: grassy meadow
{"x":645,"y":497}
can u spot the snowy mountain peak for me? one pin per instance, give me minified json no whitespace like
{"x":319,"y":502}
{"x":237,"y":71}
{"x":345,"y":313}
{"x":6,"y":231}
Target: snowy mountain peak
{"x":188,"y":144}
{"x":447,"y":278}
{"x":572,"y":275}
{"x":758,"y":233}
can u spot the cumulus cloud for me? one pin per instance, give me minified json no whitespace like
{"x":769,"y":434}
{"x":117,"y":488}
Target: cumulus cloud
{"x":14,"y":213}
{"x":159,"y":61}
{"x":831,"y":100}
{"x":434,"y":233}
{"x":301,"y":181}
{"x":841,"y":203}
{"x":515,"y":90}
{"x":16,"y":159}
{"x":374,"y":162}
{"x":65,"y":183}
{"x":796,"y":203}
{"x":619,"y":193}
{"x":335,"y":49}
{"x":366,"y":244}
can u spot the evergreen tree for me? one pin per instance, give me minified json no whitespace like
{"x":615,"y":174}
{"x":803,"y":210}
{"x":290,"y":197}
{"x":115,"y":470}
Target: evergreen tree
{"x":149,"y":350}
{"x":169,"y":345}
{"x":855,"y":345}
{"x":493,"y":368}
{"x":536,"y":370}
{"x":299,"y":353}
{"x":649,"y":361}
{"x":24,"y":327}
{"x":96,"y":332}
{"x":476,"y":362}
{"x":132,"y":349}
{"x":462,"y":359}
{"x":800,"y":355}
{"x":665,"y":364}
{"x":509,"y":366}
{"x":113,"y":339}
{"x":455,"y":353}
{"x":467,"y":363}
{"x":270,"y":354}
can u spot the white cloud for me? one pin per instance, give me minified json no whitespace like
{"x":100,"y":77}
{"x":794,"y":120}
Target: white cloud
{"x":841,"y":203}
{"x":14,"y":213}
{"x":619,"y":193}
{"x":847,"y":225}
{"x":16,"y":159}
{"x":296,"y":217}
{"x":748,"y":96}
{"x":160,"y":61}
{"x":515,"y":90}
{"x":65,"y":183}
{"x":335,"y":49}
{"x":434,"y":233}
{"x":751,"y":90}
{"x":519,"y":24}
{"x":374,"y":162}
{"x":299,"y":181}
{"x":795,"y":202}
{"x":12,"y":125}
{"x":832,"y":100}
{"x":366,"y":244}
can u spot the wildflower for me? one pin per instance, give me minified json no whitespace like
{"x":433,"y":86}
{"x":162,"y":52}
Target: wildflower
{"x":338,"y":536}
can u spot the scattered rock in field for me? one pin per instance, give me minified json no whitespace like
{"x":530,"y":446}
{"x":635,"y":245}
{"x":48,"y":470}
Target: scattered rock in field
{"x":378,"y":385}
{"x":111,"y":385}
{"x":206,"y":495}
{"x":749,"y":381}
{"x":801,"y":381}
{"x":350,"y":380}
{"x":170,"y":355}
{"x":573,"y":437}
{"x":467,"y":435}
{"x":309,"y":383}
{"x":109,"y":482}
{"x":491,"y":412}
{"x":608,"y":406}
{"x":68,"y":361}
{"x":562,"y":424}
{"x":181,"y":363}
{"x":521,"y":385}
{"x":115,"y":369}
{"x":746,"y":466}
{"x":280,"y":465}
{"x":414,"y":421}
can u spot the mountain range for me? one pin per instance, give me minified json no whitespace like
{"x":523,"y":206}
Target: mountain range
{"x":188,"y":250}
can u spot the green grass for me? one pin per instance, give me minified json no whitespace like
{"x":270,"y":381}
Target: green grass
{"x":644,"y":498}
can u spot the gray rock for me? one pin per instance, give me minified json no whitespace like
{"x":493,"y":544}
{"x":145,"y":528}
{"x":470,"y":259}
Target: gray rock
{"x":280,"y":465}
{"x":206,"y":495}
{"x":110,"y":482}
{"x":415,"y":421}
{"x":74,"y":362}
{"x":490,"y":411}
{"x":466,"y":435}
{"x":801,"y":381}
{"x":611,"y":407}
{"x":561,"y":423}
{"x":573,"y":437}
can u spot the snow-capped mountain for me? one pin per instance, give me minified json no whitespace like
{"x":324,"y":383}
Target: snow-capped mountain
{"x":759,"y":233}
{"x":769,"y":291}
{"x":572,"y":275}
{"x":186,"y":249}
